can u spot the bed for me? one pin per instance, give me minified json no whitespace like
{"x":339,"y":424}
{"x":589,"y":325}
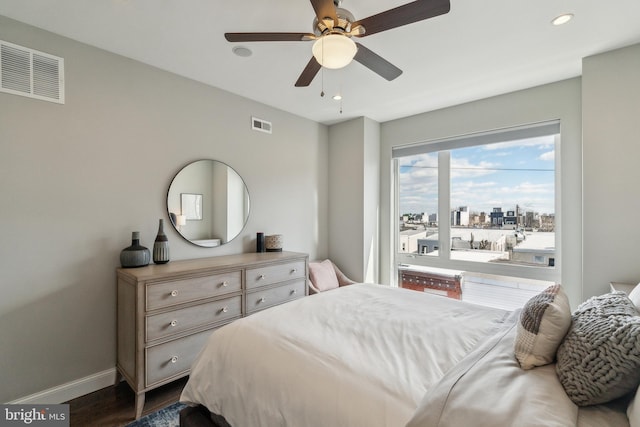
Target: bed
{"x":373,"y":356}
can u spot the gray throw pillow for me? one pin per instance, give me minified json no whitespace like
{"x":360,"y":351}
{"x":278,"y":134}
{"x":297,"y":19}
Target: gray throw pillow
{"x":599,"y":359}
{"x":544,"y":321}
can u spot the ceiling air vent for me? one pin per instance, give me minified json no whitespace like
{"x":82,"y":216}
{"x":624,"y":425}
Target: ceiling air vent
{"x":27,"y":72}
{"x":261,"y":125}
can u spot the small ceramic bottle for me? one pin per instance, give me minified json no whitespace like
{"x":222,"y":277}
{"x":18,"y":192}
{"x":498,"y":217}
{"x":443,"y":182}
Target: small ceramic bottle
{"x":161,"y":246}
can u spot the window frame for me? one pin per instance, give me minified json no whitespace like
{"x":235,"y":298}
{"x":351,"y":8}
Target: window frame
{"x":443,"y":147}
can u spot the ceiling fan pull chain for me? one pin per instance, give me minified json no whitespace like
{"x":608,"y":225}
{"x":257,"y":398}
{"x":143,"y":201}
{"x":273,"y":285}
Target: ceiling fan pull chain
{"x":322,"y":73}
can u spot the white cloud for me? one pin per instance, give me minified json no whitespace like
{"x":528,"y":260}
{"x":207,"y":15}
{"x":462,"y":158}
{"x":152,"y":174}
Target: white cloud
{"x":549,"y":156}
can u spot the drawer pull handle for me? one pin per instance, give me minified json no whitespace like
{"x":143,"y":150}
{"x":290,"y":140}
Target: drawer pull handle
{"x":174,"y":323}
{"x":225,"y":309}
{"x":295,"y":270}
{"x":262,"y":277}
{"x":174,"y":293}
{"x":225,"y":284}
{"x":294,"y":291}
{"x":174,"y":359}
{"x":263,"y":299}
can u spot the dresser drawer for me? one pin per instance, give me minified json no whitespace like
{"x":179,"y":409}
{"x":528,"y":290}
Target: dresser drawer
{"x":176,"y":321}
{"x":166,"y":294}
{"x":274,"y":296}
{"x":270,"y":274}
{"x":173,"y":359}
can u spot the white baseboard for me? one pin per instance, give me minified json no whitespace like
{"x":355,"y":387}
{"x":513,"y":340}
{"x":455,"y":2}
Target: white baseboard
{"x":71,"y":390}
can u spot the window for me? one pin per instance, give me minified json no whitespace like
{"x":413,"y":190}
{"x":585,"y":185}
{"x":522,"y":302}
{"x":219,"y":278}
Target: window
{"x":483,"y":203}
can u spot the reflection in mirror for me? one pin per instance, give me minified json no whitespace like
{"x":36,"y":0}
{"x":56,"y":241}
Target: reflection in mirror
{"x":208,"y":203}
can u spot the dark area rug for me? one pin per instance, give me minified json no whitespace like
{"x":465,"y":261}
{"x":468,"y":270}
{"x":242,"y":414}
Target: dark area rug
{"x":165,"y":417}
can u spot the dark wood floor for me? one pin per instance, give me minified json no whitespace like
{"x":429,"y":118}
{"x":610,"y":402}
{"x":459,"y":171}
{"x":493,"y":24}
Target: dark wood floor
{"x":114,"y":406}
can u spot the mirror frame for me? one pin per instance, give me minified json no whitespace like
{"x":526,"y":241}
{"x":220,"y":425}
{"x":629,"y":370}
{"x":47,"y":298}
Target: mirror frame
{"x":172,"y":215}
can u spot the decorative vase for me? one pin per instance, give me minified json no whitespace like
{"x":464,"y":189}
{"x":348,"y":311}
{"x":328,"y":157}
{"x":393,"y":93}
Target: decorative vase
{"x":161,"y":246}
{"x":135,"y":255}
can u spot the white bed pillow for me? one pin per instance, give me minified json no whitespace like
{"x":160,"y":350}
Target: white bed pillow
{"x":633,"y":411}
{"x":634,"y":296}
{"x":544,"y":321}
{"x":323,"y":276}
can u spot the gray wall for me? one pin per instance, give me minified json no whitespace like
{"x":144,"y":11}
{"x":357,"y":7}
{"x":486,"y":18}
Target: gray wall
{"x":611,"y":115}
{"x":77,"y":179}
{"x":346,"y":175}
{"x":354,"y":159}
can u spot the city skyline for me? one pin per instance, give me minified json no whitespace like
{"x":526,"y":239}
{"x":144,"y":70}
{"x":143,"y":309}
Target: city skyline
{"x":505,"y":175}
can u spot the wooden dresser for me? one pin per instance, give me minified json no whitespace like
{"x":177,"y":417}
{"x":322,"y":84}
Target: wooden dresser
{"x":166,"y":312}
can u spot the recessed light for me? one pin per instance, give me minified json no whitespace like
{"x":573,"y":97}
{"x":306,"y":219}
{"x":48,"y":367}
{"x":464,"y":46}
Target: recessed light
{"x":337,"y":97}
{"x":562,"y":19}
{"x":242,"y":51}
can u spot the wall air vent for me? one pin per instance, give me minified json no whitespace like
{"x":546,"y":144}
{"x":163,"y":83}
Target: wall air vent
{"x":31,"y":73}
{"x":261,"y":125}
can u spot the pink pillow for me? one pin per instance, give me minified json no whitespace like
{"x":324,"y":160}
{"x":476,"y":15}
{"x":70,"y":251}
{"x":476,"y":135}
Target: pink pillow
{"x":323,"y":276}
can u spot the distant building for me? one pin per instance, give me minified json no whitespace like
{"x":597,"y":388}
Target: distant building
{"x":460,"y":217}
{"x":428,"y":244}
{"x":408,"y":242}
{"x":433,"y":219}
{"x":537,"y":249}
{"x":530,"y":220}
{"x":458,"y":244}
{"x":547,"y":222}
{"x":497,"y":217}
{"x":484,"y":218}
{"x":510,"y":219}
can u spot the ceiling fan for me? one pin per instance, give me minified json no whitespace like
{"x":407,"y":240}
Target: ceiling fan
{"x":334,"y":27}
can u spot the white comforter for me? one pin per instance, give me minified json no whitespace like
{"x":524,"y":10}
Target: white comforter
{"x":489,"y":389}
{"x":361,"y":356}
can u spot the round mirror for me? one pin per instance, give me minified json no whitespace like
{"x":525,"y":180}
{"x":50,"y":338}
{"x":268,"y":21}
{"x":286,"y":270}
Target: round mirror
{"x":208,"y":203}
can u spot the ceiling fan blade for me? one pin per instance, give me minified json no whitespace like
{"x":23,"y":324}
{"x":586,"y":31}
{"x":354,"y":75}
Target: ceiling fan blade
{"x":376,"y":63}
{"x":402,"y":15}
{"x":308,"y":73}
{"x":268,"y":37}
{"x":325,"y":9}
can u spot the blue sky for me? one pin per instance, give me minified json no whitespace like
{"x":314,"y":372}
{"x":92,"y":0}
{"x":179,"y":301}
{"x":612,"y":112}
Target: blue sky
{"x":483,"y":177}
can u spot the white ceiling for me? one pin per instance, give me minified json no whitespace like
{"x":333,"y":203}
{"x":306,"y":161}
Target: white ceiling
{"x":479,"y":49}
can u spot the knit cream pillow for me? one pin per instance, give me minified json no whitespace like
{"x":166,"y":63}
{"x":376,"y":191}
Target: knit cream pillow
{"x":544,"y":321}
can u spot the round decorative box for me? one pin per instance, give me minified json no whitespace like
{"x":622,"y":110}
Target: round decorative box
{"x":273,"y":243}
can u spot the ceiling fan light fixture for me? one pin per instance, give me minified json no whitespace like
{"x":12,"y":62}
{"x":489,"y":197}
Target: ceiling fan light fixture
{"x":334,"y":50}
